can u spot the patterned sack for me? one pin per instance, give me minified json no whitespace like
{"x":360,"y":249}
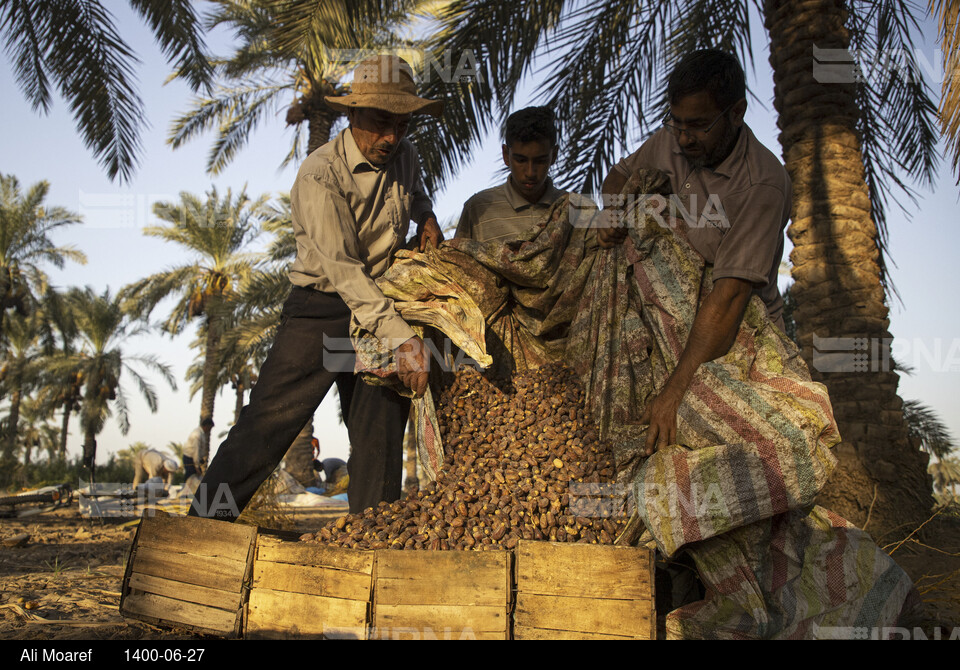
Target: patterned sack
{"x":754,"y":432}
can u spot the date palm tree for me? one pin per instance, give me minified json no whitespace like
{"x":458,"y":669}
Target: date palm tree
{"x":35,"y":430}
{"x":26,"y":244}
{"x":103,"y":362}
{"x":217,"y":231}
{"x":73,"y":47}
{"x":21,"y":371}
{"x":292,"y":53}
{"x":849,"y":146}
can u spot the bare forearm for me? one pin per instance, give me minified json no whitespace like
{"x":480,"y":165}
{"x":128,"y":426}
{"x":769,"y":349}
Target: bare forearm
{"x":614,"y":183}
{"x":713,"y":332}
{"x":711,"y":336}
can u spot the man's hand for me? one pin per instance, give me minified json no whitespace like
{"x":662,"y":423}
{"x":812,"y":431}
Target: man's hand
{"x":610,"y":231}
{"x":714,"y":330}
{"x":429,"y":231}
{"x":661,"y":414}
{"x":413,"y":365}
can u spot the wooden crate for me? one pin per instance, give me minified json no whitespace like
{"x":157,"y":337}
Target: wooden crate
{"x":584,"y":591}
{"x":443,"y":595}
{"x":308,"y":591}
{"x":189,"y":572}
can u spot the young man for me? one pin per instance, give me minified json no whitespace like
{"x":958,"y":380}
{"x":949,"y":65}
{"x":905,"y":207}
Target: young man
{"x":738,"y":198}
{"x":351,"y":205}
{"x":503,"y":212}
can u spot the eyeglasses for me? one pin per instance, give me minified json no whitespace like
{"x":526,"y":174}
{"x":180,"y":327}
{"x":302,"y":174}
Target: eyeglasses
{"x":699,"y":130}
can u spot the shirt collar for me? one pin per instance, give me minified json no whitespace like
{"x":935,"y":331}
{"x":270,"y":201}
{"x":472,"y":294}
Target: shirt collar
{"x":727,"y":165}
{"x":518,"y":202}
{"x":356,"y":161}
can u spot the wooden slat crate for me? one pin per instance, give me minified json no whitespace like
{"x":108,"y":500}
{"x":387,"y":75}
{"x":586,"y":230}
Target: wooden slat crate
{"x":584,"y":591}
{"x":309,"y":591}
{"x":189,"y":572}
{"x":443,"y":595}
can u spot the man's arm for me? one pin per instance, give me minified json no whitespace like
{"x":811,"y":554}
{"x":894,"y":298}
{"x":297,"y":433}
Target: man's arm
{"x":339,"y":257}
{"x":713,"y":333}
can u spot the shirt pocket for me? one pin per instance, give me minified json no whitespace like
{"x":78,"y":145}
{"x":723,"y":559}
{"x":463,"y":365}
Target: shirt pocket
{"x":401,"y":203}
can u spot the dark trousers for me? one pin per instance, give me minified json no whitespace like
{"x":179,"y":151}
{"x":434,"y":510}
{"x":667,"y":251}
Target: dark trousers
{"x":311,"y":353}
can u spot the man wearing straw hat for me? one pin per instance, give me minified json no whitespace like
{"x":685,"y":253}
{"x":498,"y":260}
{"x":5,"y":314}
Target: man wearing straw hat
{"x":351,"y":205}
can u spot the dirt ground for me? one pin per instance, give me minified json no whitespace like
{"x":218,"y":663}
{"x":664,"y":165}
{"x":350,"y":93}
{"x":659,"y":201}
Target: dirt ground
{"x":64,"y":582}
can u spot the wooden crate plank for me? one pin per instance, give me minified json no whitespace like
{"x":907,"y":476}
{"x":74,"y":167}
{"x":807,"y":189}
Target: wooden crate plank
{"x":215,"y":573}
{"x":302,"y":553}
{"x":168,"y":610}
{"x":443,"y":578}
{"x":430,"y":634}
{"x":527,"y":633}
{"x":278,"y":614}
{"x":590,"y":615}
{"x":315,"y":580}
{"x":435,"y":620}
{"x":472,"y":591}
{"x":193,"y":535}
{"x":226,"y":600}
{"x":600,"y":571}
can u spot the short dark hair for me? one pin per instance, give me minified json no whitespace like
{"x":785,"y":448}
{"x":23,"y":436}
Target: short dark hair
{"x":711,"y":70}
{"x":531,"y":124}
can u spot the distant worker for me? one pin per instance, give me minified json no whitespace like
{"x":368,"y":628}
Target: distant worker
{"x":150,"y":463}
{"x":197,"y":449}
{"x":334,"y":470}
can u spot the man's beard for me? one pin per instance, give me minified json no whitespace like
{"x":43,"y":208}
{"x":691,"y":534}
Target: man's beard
{"x":720,"y":152}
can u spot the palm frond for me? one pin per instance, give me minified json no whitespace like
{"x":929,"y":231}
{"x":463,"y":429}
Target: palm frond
{"x":179,"y":32}
{"x":924,"y":424}
{"x":947,"y":13}
{"x":235,"y":113}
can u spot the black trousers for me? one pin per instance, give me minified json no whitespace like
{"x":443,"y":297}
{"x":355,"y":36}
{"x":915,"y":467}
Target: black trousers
{"x":311,"y":353}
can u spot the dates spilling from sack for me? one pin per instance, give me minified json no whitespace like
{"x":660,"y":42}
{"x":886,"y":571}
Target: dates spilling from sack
{"x":523,"y":460}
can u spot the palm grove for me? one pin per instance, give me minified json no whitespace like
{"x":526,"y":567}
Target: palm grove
{"x":852,"y":146}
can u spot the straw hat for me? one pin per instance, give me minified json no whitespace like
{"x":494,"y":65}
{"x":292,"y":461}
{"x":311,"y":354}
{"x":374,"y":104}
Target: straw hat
{"x":385,"y":82}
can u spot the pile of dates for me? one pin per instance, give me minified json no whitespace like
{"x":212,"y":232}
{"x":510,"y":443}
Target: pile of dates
{"x":523,"y":460}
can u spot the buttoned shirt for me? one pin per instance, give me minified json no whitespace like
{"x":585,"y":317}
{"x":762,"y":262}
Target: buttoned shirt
{"x":734,"y":214}
{"x":350,"y":217}
{"x":501,"y":213}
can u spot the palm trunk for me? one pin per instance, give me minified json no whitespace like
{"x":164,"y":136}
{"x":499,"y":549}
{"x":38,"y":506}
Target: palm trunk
{"x":90,"y":451}
{"x":13,"y":419}
{"x":320,"y":119}
{"x":239,"y":403}
{"x":62,"y":451}
{"x":210,"y":362}
{"x":881,"y":477}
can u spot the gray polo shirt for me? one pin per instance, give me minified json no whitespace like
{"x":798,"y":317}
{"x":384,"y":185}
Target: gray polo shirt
{"x":735,"y":213}
{"x":501,"y":213}
{"x":350,"y":218}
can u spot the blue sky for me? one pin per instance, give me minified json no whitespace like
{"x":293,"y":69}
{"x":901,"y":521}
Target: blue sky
{"x":923,"y":246}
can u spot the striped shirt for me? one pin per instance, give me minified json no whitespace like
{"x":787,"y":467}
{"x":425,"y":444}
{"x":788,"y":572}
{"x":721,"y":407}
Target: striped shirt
{"x":502,"y":214}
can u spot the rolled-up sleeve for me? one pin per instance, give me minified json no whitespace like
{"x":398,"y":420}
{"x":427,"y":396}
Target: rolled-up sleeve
{"x":329,"y":239}
{"x":755,"y":236}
